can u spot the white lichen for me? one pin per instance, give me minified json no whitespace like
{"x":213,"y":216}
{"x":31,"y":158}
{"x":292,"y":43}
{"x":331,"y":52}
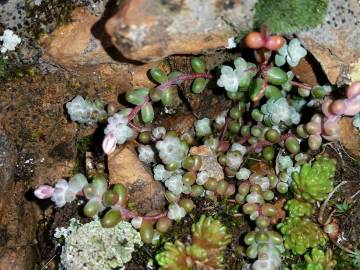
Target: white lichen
{"x":160,"y":173}
{"x":231,"y":43}
{"x":9,"y":41}
{"x":159,"y":133}
{"x":92,"y":247}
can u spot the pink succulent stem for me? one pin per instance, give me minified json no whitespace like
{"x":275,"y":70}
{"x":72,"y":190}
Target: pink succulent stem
{"x":182,"y":77}
{"x":127,"y":214}
{"x":301,"y":85}
{"x":166,"y":85}
{"x":137,"y":109}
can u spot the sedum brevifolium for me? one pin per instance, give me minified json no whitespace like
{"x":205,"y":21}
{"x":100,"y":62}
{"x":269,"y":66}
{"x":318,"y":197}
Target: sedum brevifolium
{"x":314,"y":181}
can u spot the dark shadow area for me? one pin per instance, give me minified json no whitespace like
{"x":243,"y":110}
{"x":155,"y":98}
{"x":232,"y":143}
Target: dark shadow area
{"x":99,"y":32}
{"x":320,"y":74}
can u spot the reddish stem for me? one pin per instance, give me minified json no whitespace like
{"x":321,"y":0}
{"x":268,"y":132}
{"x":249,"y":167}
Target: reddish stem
{"x":137,"y":108}
{"x":264,"y":31}
{"x":127,"y":214}
{"x":224,"y":129}
{"x":301,"y":85}
{"x":182,"y":77}
{"x":165,"y":86}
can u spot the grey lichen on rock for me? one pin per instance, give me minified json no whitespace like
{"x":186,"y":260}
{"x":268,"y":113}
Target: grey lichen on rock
{"x":335,"y":44}
{"x":93,"y":247}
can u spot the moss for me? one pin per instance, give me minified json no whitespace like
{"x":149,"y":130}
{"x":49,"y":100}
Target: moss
{"x":283,"y":16}
{"x":2,"y":68}
{"x":46,"y":16}
{"x":82,"y":146}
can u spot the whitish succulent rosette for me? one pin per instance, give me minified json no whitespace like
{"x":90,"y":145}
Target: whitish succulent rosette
{"x":117,"y":127}
{"x":291,"y":53}
{"x":85,"y":112}
{"x":231,"y":79}
{"x":202,"y":127}
{"x":171,"y":150}
{"x":146,"y":154}
{"x":278,"y":111}
{"x":174,"y":184}
{"x":176,"y":212}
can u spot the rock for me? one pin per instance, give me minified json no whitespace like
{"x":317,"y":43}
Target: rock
{"x":181,"y":122}
{"x":88,"y":53}
{"x":335,"y":43}
{"x":7,"y":161}
{"x":209,"y":161}
{"x":306,"y":73}
{"x":17,"y":230}
{"x":148,"y":30}
{"x":205,"y":104}
{"x":74,"y":44}
{"x":350,"y":136}
{"x":145,"y":194}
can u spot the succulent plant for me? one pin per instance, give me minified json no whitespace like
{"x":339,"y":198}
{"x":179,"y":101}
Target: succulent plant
{"x":85,"y":112}
{"x":232,"y":79}
{"x":267,"y":246}
{"x":297,"y":208}
{"x":117,"y":127}
{"x":301,"y":234}
{"x":278,"y":111}
{"x":314,"y":182}
{"x":209,"y":239}
{"x":320,"y":260}
{"x":171,"y":150}
{"x":291,"y":53}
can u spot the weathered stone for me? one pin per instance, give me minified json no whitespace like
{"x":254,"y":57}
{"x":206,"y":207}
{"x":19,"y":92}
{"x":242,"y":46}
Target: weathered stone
{"x":205,"y":104}
{"x":78,"y":47}
{"x":17,"y":229}
{"x":74,"y":44}
{"x":145,"y":194}
{"x":335,"y":44}
{"x":306,"y":72}
{"x":181,"y":122}
{"x":7,"y":161}
{"x":349,"y":136}
{"x":209,"y":161}
{"x":148,"y":30}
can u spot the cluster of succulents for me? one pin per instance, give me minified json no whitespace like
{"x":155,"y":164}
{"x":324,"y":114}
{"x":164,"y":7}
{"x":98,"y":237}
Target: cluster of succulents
{"x":209,"y":240}
{"x":264,"y":124}
{"x":300,"y":234}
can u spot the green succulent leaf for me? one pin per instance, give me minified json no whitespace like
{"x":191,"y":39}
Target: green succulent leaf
{"x":314,"y":182}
